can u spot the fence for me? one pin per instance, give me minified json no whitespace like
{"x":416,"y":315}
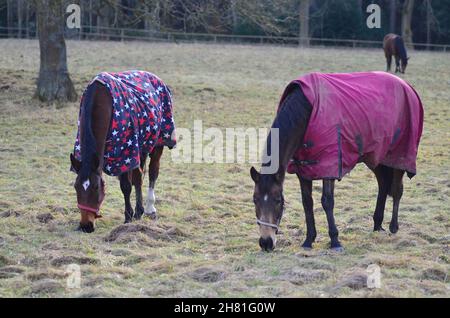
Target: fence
{"x":126,"y":34}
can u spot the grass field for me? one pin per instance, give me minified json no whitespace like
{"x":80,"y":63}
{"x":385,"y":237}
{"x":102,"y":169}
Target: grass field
{"x":205,"y":242}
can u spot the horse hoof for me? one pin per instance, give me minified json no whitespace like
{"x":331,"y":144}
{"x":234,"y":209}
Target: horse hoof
{"x":380,"y":229}
{"x":338,"y":249}
{"x":393,"y":229}
{"x":307,"y":246}
{"x":151,"y":215}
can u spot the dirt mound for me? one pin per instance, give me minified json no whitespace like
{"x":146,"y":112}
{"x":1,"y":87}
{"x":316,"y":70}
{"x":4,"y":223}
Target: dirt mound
{"x":46,"y":274}
{"x":45,"y":217}
{"x":357,"y":280}
{"x":207,"y":275}
{"x":152,"y":232}
{"x":69,"y":259}
{"x":9,"y":213}
{"x":434,"y":274}
{"x":301,"y":277}
{"x":4,"y":261}
{"x":46,"y":286}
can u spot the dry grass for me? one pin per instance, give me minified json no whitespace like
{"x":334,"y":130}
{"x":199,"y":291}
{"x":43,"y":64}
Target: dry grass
{"x":205,"y":241}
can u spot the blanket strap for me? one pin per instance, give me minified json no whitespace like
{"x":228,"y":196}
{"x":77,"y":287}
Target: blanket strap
{"x":304,"y":162}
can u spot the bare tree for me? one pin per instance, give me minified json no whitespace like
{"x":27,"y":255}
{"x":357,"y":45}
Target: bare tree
{"x":304,"y":22}
{"x":392,"y":15}
{"x":233,"y":16}
{"x":54,"y":82}
{"x":10,"y":16}
{"x":19,"y":18}
{"x":407,"y":13}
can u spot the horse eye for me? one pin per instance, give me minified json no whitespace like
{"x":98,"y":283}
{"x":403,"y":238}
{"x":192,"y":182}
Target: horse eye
{"x":255,"y":200}
{"x":278,"y":200}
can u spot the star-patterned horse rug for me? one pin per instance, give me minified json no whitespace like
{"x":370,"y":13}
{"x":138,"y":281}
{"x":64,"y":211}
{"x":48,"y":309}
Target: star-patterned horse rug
{"x":142,"y":119}
{"x":124,"y":117}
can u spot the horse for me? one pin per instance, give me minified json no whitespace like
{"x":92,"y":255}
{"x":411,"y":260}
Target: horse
{"x":327,"y":123}
{"x":124,"y":118}
{"x":393,"y":45}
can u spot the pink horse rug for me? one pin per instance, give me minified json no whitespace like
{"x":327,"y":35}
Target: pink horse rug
{"x":141,"y":119}
{"x":373,"y":117}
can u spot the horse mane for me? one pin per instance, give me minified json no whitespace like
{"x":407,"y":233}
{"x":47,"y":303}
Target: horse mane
{"x":294,"y":109}
{"x":401,"y":49}
{"x":88,"y":144}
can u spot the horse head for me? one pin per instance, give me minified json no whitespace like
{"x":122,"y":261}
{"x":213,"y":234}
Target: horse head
{"x":90,"y":188}
{"x":403,"y":65}
{"x":269,"y":206}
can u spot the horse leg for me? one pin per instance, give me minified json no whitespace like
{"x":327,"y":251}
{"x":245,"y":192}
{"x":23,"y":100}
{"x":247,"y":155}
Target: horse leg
{"x":307,"y":200}
{"x":137,"y":180}
{"x":397,"y":64}
{"x":384,"y":179}
{"x":397,"y":192}
{"x":153,"y":173}
{"x":388,"y":62}
{"x":328,"y":206}
{"x":125,"y":186}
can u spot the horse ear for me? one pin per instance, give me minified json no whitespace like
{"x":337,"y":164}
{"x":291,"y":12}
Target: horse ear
{"x":76,"y":164}
{"x":255,"y":174}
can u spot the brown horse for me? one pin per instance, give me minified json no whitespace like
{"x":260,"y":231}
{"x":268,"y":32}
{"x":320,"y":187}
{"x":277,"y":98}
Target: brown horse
{"x":95,"y":128}
{"x":294,"y":120}
{"x":393,"y":45}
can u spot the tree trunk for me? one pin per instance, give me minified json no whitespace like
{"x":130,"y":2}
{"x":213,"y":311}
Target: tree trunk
{"x":27,"y":20}
{"x":234,"y":19}
{"x":429,"y":17}
{"x":392,"y":16}
{"x":19,"y":18}
{"x":304,"y":23}
{"x":10,"y":17}
{"x":54,"y":82}
{"x":407,"y":13}
{"x":103,"y":21}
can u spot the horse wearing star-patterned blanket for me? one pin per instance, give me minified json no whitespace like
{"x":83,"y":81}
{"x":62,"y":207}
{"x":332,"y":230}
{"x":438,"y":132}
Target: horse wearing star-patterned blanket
{"x":142,"y":119}
{"x":124,"y":117}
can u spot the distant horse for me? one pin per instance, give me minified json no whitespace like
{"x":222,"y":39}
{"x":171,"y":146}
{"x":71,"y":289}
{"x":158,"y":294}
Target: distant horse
{"x":393,"y":45}
{"x":124,"y":117}
{"x":327,"y":123}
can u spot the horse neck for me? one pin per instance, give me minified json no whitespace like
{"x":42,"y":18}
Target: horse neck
{"x":101,"y":119}
{"x":96,"y":120}
{"x":291,"y":122}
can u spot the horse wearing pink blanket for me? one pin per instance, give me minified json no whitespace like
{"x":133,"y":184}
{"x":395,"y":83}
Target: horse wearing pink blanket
{"x":327,"y":124}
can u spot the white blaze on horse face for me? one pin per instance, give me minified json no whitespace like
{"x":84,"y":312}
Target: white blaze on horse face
{"x":266,"y":197}
{"x":150,"y":204}
{"x":86,"y":184}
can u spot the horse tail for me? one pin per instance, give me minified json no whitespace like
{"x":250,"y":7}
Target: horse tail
{"x":401,"y":49}
{"x":88,"y":146}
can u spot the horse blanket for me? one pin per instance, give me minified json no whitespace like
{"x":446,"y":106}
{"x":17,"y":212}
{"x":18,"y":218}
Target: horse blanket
{"x":141,"y":119}
{"x":372,"y":117}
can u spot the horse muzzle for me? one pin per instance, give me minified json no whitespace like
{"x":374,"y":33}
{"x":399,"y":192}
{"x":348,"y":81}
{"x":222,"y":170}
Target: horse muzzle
{"x":266,"y":244}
